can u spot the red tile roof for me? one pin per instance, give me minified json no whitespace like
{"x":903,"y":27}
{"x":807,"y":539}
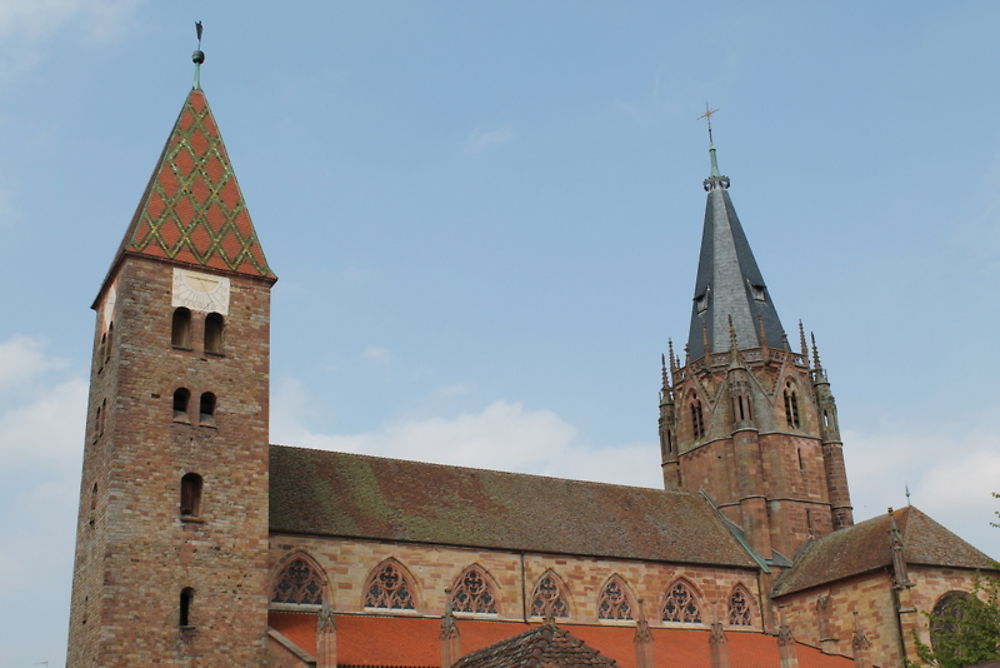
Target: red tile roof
{"x":545,"y":645}
{"x":369,"y":640}
{"x":341,"y":494}
{"x":193,"y":211}
{"x":865,"y":547}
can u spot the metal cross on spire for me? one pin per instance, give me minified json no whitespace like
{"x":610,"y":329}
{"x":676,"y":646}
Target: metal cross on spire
{"x":708,"y":119}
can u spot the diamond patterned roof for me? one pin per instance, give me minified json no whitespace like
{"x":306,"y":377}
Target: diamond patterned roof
{"x":193,"y":211}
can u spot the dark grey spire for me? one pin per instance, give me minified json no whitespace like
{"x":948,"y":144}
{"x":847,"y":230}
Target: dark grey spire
{"x":729,"y":284}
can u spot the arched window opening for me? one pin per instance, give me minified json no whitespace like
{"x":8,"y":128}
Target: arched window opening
{"x":100,"y":352}
{"x":802,"y":465}
{"x":680,"y":605}
{"x":947,"y":618}
{"x":102,"y":416}
{"x":739,"y":607}
{"x":93,"y":498}
{"x":214,"y":325}
{"x":191,"y":495}
{"x":548,"y":599}
{"x":187,"y":600}
{"x":614,"y":601}
{"x":473,"y":593}
{"x":298,"y":584}
{"x":206,"y":409}
{"x":389,"y":587}
{"x":180,"y":330}
{"x":791,"y":407}
{"x":181,"y":398}
{"x":697,"y":419}
{"x":108,"y":344}
{"x":97,"y":424}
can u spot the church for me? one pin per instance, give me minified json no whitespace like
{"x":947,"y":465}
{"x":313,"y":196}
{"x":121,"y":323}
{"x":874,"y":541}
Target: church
{"x":200,"y":543}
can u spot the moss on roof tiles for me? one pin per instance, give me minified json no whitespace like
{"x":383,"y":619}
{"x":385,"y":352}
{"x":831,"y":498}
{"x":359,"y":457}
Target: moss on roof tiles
{"x":342,"y":494}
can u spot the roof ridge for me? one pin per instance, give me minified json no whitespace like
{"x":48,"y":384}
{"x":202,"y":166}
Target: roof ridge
{"x":485,"y":470}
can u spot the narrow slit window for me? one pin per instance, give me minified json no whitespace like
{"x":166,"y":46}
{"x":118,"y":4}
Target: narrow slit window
{"x":180,"y":331}
{"x":181,"y":398}
{"x":191,"y":485}
{"x":206,"y":409}
{"x":187,"y":600}
{"x":214,"y":326}
{"x":697,"y":420}
{"x":107,"y":345}
{"x":100,"y":352}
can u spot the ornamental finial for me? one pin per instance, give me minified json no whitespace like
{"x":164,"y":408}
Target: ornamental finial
{"x":711,"y":142}
{"x":198,"y":57}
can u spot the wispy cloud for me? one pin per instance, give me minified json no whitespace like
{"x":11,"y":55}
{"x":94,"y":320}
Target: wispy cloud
{"x":483,"y":140}
{"x":376,"y":354}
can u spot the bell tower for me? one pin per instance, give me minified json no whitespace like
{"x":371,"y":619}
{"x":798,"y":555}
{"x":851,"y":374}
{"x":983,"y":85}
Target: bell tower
{"x":171,"y":550}
{"x":745,"y":418}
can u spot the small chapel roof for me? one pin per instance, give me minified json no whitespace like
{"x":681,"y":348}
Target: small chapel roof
{"x":866,"y":547}
{"x":192,"y":212}
{"x":360,"y":496}
{"x":546,"y":645}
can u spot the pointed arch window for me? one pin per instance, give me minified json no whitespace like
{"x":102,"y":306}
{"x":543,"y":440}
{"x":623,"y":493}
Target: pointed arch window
{"x":791,"y":407}
{"x":389,"y":586}
{"x":300,"y":583}
{"x":740,"y":613}
{"x":680,"y":605}
{"x":108,"y":345}
{"x":697,"y":419}
{"x":614,"y":602}
{"x":180,"y":329}
{"x":549,"y":597}
{"x":474,"y":593}
{"x":214,"y":326}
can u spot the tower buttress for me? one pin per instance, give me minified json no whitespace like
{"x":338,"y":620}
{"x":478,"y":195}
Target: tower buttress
{"x":171,"y":554}
{"x":833,"y":447}
{"x":667,"y":422}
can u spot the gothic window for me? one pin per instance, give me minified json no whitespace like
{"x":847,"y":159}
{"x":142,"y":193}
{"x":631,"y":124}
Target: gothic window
{"x":190,"y":494}
{"x":299,"y":584}
{"x":549,"y":599}
{"x":206,"y":409}
{"x":739,"y":607}
{"x":213,"y":333}
{"x":791,"y":407}
{"x":389,"y":587}
{"x":741,"y":408}
{"x":680,"y":605}
{"x":614,"y":601}
{"x":697,"y":419}
{"x":473,"y":593}
{"x":948,"y":613}
{"x":187,"y":599}
{"x":180,"y":329}
{"x":181,"y":398}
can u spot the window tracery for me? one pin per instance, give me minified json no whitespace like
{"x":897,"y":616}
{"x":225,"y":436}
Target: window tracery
{"x":298,"y":584}
{"x":473,"y":593}
{"x":548,"y":600}
{"x":739,"y":608}
{"x":681,"y":606}
{"x":614,"y":602}
{"x":389,"y":587}
{"x":697,"y":419}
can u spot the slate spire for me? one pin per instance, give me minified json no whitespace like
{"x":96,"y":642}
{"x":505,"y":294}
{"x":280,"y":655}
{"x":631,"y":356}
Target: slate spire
{"x":192,"y":212}
{"x":728,"y":285}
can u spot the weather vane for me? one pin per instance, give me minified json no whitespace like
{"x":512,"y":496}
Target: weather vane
{"x":708,"y":119}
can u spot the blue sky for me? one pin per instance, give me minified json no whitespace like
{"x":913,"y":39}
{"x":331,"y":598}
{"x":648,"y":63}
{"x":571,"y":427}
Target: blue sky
{"x":485,"y":219}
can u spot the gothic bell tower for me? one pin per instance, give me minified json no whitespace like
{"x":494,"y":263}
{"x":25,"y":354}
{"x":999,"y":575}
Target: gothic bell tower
{"x":171,"y":550}
{"x":745,"y":418}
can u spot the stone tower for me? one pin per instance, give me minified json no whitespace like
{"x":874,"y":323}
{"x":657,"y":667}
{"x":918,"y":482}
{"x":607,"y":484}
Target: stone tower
{"x":745,"y":418}
{"x":171,"y":551}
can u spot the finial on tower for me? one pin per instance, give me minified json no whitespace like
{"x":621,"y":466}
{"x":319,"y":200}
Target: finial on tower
{"x":663,"y":372}
{"x":906,"y":486}
{"x":816,"y":363}
{"x":802,"y":342}
{"x":673,"y":358}
{"x":711,"y":142}
{"x":198,"y":57}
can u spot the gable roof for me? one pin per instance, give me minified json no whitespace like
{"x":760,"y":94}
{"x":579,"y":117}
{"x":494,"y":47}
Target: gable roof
{"x":865,"y":547}
{"x":192,"y":211}
{"x":546,"y":645}
{"x":359,"y":496}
